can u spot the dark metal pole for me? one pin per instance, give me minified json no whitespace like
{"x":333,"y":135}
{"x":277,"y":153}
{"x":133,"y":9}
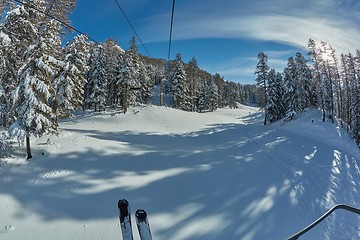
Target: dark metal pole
{"x":308,"y":228}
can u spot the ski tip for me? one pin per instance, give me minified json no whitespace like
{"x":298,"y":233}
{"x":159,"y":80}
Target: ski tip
{"x":141,"y":215}
{"x":123,"y":206}
{"x":123,"y":203}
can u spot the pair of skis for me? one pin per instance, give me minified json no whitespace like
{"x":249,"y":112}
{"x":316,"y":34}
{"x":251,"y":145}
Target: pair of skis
{"x":125,"y":222}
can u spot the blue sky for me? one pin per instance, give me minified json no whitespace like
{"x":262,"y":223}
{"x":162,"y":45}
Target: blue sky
{"x":225,"y":36}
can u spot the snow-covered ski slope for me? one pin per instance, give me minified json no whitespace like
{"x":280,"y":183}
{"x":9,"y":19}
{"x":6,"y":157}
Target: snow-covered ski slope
{"x":218,"y":175}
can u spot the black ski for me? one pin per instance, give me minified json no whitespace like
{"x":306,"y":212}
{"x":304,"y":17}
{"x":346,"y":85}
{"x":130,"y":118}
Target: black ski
{"x":143,"y":225}
{"x":125,"y":219}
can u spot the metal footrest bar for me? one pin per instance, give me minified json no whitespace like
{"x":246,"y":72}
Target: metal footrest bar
{"x":308,"y":228}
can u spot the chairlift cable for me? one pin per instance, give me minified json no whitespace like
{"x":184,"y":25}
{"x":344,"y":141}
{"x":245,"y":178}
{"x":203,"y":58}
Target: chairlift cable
{"x":167,"y":64}
{"x":51,"y":6}
{"x":171,"y":28}
{"x":58,"y":20}
{"x":132,"y":27}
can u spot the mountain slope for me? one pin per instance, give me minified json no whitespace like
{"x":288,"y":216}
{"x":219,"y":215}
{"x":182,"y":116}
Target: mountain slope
{"x":218,"y":175}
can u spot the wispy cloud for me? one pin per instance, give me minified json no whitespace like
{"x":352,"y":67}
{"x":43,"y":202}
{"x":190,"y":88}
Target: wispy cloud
{"x":290,"y":22}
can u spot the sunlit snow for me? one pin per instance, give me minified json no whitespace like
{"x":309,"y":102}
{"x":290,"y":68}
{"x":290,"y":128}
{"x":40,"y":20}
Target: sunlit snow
{"x":216,"y":175}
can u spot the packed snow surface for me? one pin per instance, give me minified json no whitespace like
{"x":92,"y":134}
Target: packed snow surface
{"x":217,"y":175}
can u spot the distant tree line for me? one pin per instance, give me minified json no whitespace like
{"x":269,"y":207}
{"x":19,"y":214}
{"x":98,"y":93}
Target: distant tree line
{"x":43,"y":80}
{"x":322,"y":81}
{"x":192,"y":90}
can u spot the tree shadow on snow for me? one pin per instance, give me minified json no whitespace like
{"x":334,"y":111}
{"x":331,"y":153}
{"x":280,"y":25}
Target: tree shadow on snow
{"x":229,"y":181}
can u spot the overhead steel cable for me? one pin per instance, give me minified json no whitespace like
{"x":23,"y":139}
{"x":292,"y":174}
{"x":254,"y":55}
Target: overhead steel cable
{"x":56,"y":19}
{"x":167,"y":64}
{"x":132,"y":27}
{"x":171,"y":28}
{"x":51,"y":6}
{"x":48,"y":11}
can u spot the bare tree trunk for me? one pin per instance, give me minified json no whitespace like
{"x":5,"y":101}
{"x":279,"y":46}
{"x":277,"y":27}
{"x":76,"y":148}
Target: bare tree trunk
{"x":265,"y":118}
{"x":28,"y":149}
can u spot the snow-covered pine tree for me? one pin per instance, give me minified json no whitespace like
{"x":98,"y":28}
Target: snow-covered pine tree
{"x":128,"y":76}
{"x":208,"y":99}
{"x":356,"y":98}
{"x":337,"y":85}
{"x":346,"y":93}
{"x":89,"y":80}
{"x":357,"y":61}
{"x":220,"y":84}
{"x":99,"y":80}
{"x":120,"y":76}
{"x":355,"y":111}
{"x":272,"y":97}
{"x":112,"y":50}
{"x":327,"y":80}
{"x":60,"y":9}
{"x":274,"y":106}
{"x":316,"y":58}
{"x":354,"y":81}
{"x":145,"y":84}
{"x":357,"y":64}
{"x":261,"y":72}
{"x":193,"y":83}
{"x":33,"y":98}
{"x":243,"y":94}
{"x":279,"y":80}
{"x":213,"y":95}
{"x":179,"y":86}
{"x":71,"y":78}
{"x":290,"y":84}
{"x":225,"y":92}
{"x":19,"y":30}
{"x":201,"y":106}
{"x":154,"y":74}
{"x":305,"y":95}
{"x":6,"y":86}
{"x":232,"y":94}
{"x":3,"y":105}
{"x":133,"y":82}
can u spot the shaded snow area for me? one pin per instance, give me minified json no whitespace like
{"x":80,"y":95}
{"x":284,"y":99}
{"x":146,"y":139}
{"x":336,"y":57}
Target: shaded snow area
{"x":217,"y":175}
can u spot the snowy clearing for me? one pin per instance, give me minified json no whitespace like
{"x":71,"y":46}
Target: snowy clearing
{"x":216,"y":175}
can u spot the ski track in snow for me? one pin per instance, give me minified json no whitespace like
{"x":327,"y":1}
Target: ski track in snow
{"x":219,"y":175}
